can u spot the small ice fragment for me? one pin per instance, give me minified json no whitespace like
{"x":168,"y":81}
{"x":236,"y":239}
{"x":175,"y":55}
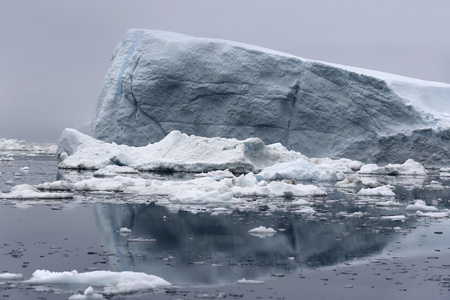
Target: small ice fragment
{"x":246,"y":281}
{"x":125,"y":230}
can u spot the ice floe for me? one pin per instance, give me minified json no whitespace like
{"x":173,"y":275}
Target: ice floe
{"x":10,"y":276}
{"x":420,"y":205}
{"x":378,"y":191}
{"x":26,"y":191}
{"x":111,"y":282}
{"x":410,"y":167}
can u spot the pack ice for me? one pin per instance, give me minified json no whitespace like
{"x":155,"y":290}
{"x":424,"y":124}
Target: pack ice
{"x":161,"y":81}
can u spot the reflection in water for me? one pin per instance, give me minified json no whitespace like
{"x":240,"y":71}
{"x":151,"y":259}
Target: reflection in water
{"x":205,"y":249}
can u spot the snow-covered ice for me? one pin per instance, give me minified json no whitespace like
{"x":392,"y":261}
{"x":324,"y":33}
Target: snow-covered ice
{"x":10,"y":276}
{"x":176,"y":152}
{"x":112,"y":282}
{"x":409,"y":167}
{"x":420,"y":205}
{"x":22,"y":145}
{"x":378,"y":191}
{"x":26,"y":191}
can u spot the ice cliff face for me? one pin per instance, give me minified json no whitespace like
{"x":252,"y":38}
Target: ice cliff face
{"x":159,"y":82}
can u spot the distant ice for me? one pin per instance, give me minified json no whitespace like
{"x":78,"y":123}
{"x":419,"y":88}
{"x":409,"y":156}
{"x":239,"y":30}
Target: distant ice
{"x":21,"y":145}
{"x":10,"y":276}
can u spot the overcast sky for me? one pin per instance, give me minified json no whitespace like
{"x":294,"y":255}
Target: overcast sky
{"x":54,"y":55}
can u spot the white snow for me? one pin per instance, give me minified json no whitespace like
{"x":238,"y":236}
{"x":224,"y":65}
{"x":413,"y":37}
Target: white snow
{"x":420,"y":205}
{"x":112,"y":282}
{"x":410,"y":167}
{"x":378,"y":191}
{"x":26,"y":191}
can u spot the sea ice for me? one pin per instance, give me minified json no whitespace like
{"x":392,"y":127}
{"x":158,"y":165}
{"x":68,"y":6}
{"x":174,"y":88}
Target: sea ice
{"x":112,"y":282}
{"x":409,"y":167}
{"x":176,"y":152}
{"x":26,"y":191}
{"x":420,"y":205}
{"x":378,"y":191}
{"x":10,"y":276}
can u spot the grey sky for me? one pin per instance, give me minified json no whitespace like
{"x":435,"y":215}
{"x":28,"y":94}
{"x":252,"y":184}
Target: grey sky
{"x":54,"y":54}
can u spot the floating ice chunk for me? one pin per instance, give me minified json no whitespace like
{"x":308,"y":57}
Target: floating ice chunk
{"x":308,"y":210}
{"x":6,"y":158}
{"x":300,"y":169}
{"x":401,"y":218}
{"x":10,"y":276}
{"x":378,"y":191}
{"x":88,"y":294}
{"x":141,"y":240}
{"x":217,"y":175}
{"x":262,"y":229}
{"x":124,"y":230}
{"x":113,"y":282}
{"x":247,"y":281}
{"x":26,"y":191}
{"x":176,"y":152}
{"x":388,"y":203}
{"x":435,"y":215}
{"x":262,"y":232}
{"x":410,"y":167}
{"x":420,"y":205}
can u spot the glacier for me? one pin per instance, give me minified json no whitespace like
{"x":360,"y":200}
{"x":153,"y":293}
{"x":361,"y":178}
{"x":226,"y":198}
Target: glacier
{"x":160,"y":81}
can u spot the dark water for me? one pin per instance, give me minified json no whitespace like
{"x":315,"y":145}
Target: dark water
{"x":202,"y":250}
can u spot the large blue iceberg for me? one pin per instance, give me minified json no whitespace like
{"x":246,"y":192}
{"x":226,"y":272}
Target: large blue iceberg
{"x":161,"y":81}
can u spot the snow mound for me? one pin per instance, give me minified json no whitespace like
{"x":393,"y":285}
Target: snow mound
{"x":176,"y":152}
{"x":112,"y":282}
{"x":161,"y":81}
{"x":409,"y":167}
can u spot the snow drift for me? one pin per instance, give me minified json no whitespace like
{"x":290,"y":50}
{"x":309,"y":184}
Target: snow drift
{"x":160,"y":81}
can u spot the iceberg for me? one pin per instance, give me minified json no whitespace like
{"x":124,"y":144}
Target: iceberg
{"x":159,"y":82}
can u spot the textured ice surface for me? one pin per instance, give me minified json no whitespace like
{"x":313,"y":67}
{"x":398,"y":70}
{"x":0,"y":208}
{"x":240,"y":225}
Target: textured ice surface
{"x":159,"y":82}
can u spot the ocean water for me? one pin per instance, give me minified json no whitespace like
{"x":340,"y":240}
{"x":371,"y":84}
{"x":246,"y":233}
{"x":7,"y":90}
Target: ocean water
{"x":204,"y":253}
